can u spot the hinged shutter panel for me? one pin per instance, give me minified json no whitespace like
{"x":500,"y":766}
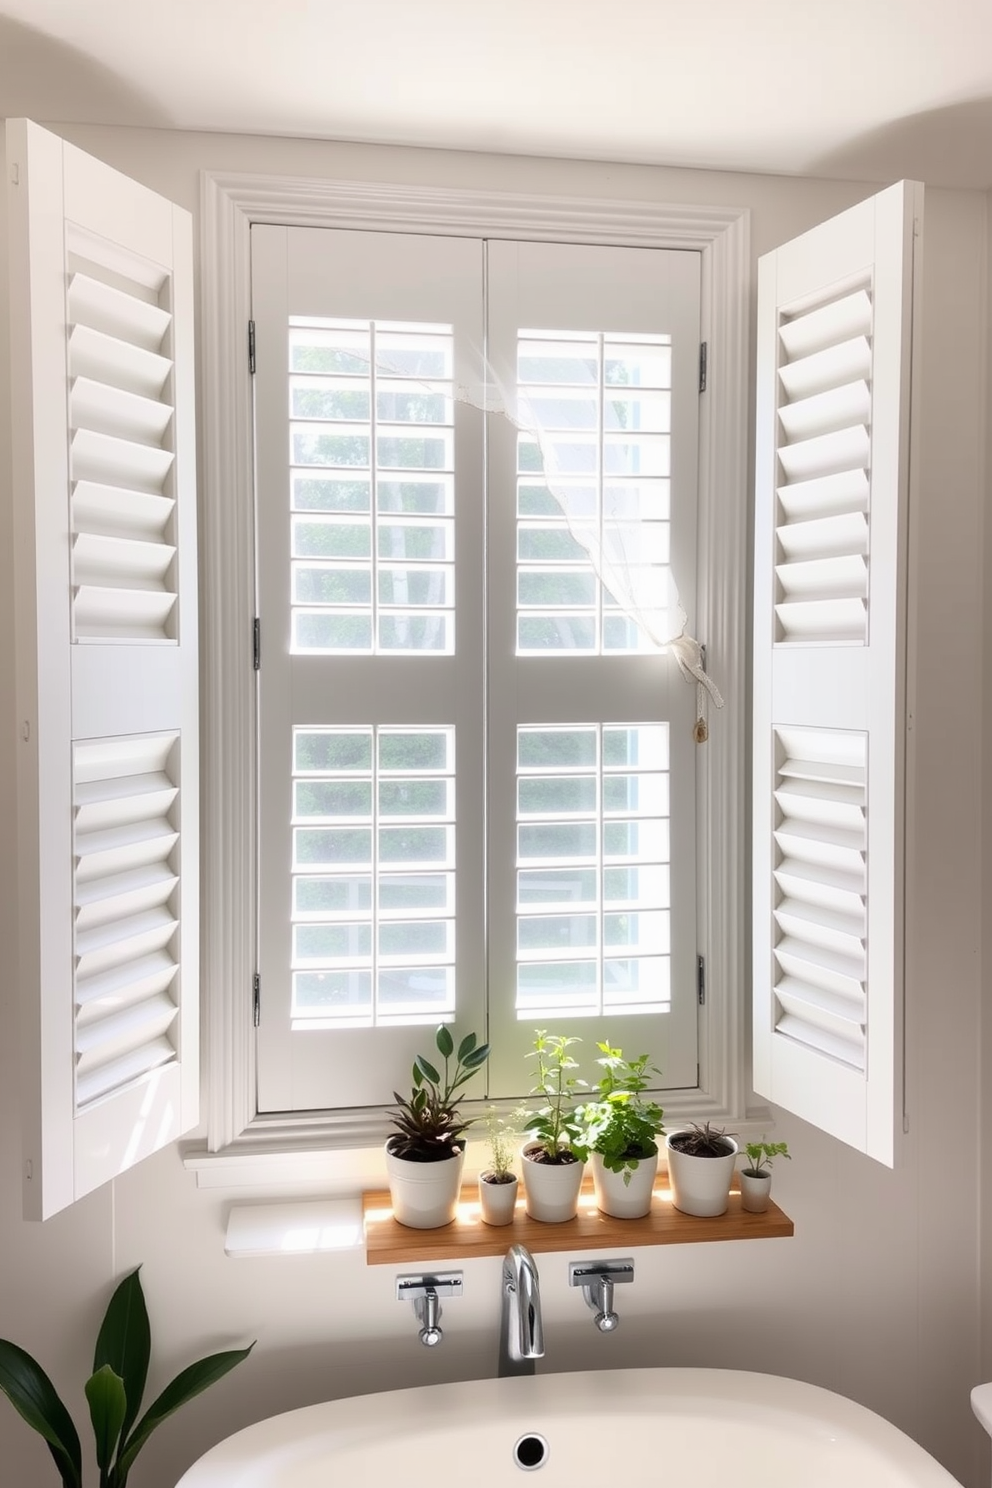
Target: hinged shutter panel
{"x":835,"y":355}
{"x":105,"y":537}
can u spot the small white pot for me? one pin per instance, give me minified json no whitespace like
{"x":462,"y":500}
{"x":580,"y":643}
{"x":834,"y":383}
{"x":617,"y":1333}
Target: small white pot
{"x":624,"y":1200}
{"x":497,"y":1201}
{"x":551,"y":1190}
{"x":700,"y":1185}
{"x":755,"y":1192}
{"x":424,"y":1195}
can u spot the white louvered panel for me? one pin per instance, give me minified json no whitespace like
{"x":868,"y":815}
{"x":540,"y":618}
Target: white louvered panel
{"x":121,"y":420}
{"x":824,"y":456}
{"x":820,"y":900}
{"x":126,"y":796}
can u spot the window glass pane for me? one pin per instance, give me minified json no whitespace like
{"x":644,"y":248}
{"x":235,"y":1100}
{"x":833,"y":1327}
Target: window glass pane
{"x":372,"y":431}
{"x":597,"y":411}
{"x":605,"y":876}
{"x":397,"y":924}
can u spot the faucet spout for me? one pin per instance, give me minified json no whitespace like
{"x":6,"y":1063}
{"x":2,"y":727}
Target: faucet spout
{"x":521,"y":1331}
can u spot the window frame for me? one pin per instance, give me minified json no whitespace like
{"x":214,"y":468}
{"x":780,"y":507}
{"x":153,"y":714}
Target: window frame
{"x":230,"y":203}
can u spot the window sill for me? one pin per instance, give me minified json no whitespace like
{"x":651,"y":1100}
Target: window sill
{"x":389,"y":1243}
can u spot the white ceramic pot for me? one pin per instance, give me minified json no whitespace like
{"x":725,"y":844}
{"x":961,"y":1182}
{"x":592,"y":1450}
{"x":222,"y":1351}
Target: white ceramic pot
{"x":551,"y":1190}
{"x":700,"y":1185}
{"x":755,"y":1192}
{"x":497,"y":1201}
{"x":624,"y":1200}
{"x":424,"y":1195}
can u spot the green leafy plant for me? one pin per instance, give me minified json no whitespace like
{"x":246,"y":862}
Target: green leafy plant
{"x":622,"y":1124}
{"x":428,"y":1125}
{"x":113,"y":1391}
{"x":501,"y":1136}
{"x":555,"y":1125}
{"x":761,"y":1155}
{"x":702,"y":1141}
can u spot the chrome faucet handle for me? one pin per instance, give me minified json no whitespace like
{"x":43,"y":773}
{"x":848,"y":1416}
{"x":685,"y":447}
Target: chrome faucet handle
{"x":425,"y":1292}
{"x":597,"y":1280}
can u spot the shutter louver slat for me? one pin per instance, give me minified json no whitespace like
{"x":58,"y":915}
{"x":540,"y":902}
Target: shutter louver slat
{"x":109,"y":359}
{"x":122,"y":438}
{"x":126,"y":957}
{"x":115,"y":511}
{"x":128,"y":317}
{"x":104,"y":1079}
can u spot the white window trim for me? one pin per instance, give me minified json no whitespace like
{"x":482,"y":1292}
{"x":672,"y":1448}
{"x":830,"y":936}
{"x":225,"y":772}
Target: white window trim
{"x":229,"y":204}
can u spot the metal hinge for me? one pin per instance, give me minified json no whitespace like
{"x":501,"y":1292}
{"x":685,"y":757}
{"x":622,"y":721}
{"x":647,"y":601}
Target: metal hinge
{"x":701,"y":980}
{"x":256,"y":1000}
{"x":702,"y":366}
{"x":251,"y":346}
{"x":256,"y":643}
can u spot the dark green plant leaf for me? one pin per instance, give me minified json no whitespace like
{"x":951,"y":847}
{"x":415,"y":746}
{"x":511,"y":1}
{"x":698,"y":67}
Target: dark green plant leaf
{"x":466,"y":1046}
{"x":108,"y":1405}
{"x":427,"y":1070}
{"x":444,"y":1041}
{"x":125,"y":1343}
{"x":189,"y":1382}
{"x":476,"y":1057}
{"x":33,"y":1396}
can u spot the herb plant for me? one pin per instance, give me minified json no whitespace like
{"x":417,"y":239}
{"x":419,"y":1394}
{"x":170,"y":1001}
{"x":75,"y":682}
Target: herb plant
{"x":113,"y":1391}
{"x":428,"y":1125}
{"x":761,"y":1155}
{"x":500,"y":1137}
{"x":622,"y":1124}
{"x":555,"y":1125}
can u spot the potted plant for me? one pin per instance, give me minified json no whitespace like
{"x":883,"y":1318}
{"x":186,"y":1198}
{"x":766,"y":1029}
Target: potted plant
{"x":756,"y":1178}
{"x":700,"y":1168}
{"x":113,"y":1391}
{"x":425,"y":1154}
{"x":552,"y":1170}
{"x":619,"y":1132}
{"x":497,"y":1181}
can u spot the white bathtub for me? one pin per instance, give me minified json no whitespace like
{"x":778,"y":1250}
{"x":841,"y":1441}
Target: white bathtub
{"x":677,"y":1428}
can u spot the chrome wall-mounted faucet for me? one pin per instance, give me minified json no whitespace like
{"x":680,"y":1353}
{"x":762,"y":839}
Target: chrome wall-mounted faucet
{"x":597,"y":1280}
{"x":521,"y":1330}
{"x":425,"y":1292}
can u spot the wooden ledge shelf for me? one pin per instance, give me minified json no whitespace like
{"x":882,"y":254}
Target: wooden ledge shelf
{"x":389,"y":1243}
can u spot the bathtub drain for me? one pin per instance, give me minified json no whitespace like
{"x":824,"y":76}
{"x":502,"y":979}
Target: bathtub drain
{"x":531,"y":1452}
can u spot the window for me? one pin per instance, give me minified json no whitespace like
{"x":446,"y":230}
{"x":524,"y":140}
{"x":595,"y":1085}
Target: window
{"x":374,"y":575}
{"x":714,"y":240}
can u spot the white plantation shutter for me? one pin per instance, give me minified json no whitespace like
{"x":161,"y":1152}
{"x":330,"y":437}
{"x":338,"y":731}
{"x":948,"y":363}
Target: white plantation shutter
{"x":106,"y":639}
{"x":835,"y":354}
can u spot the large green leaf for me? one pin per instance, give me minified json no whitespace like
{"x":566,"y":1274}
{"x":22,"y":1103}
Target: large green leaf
{"x":33,"y":1396}
{"x":125,"y":1343}
{"x":188,"y":1383}
{"x":108,"y":1405}
{"x":444,"y":1041}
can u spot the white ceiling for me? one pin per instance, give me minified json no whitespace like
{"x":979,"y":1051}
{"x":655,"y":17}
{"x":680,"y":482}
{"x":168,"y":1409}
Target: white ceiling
{"x":869,"y":89}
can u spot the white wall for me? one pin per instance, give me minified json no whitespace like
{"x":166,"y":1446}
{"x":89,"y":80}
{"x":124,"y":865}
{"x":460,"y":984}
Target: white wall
{"x":878,"y":1293}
